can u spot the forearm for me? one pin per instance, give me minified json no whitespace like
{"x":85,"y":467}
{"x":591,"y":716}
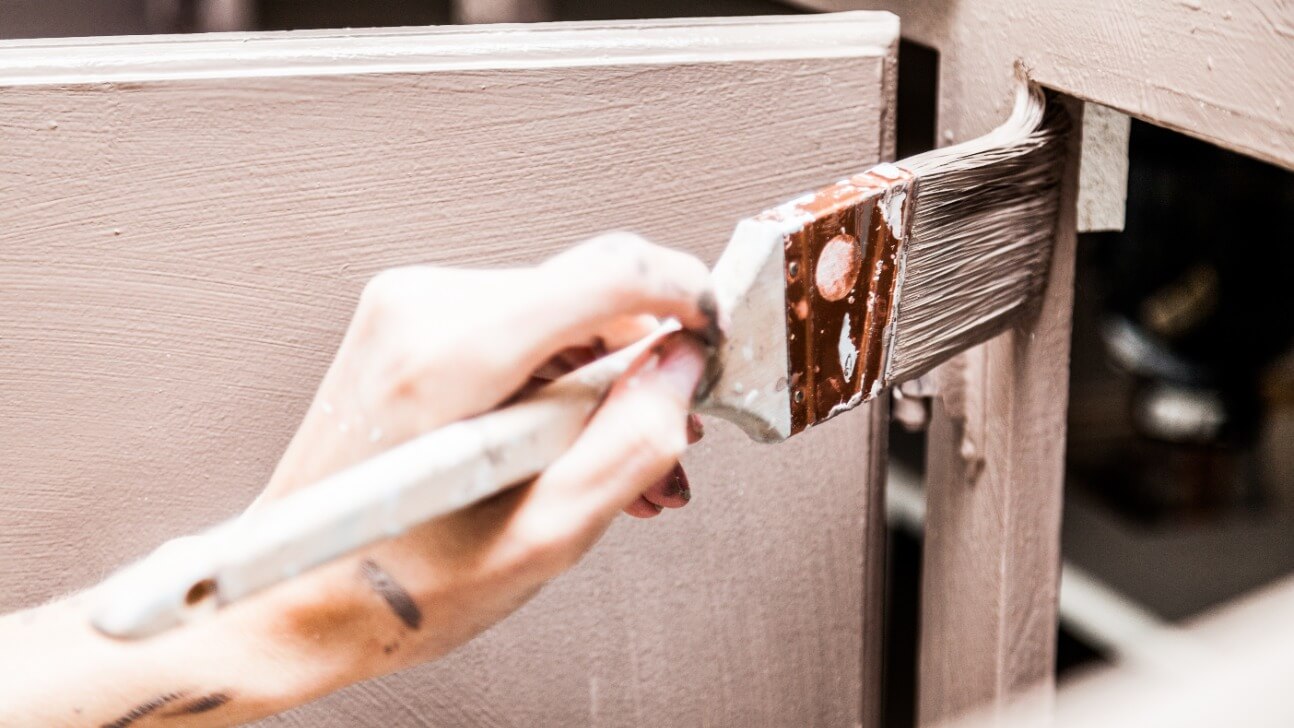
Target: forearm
{"x":341,"y":623}
{"x":57,"y":670}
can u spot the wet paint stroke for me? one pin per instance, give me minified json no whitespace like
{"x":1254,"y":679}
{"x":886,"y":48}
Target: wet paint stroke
{"x":392,"y":593}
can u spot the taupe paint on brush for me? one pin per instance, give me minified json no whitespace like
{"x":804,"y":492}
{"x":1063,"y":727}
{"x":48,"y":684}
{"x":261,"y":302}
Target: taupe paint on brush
{"x":180,"y":257}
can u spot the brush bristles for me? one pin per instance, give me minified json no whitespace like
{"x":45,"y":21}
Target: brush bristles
{"x":982,"y":229}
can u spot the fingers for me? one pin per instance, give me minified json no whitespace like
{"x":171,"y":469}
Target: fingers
{"x":567,"y":360}
{"x":625,"y":330}
{"x":642,"y":508}
{"x":621,"y":273}
{"x":488,"y":331}
{"x":615,"y":334}
{"x":672,"y":491}
{"x":633,"y":441}
{"x":609,"y":286}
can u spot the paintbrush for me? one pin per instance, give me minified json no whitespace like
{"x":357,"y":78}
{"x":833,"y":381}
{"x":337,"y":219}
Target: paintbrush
{"x":823,"y":302}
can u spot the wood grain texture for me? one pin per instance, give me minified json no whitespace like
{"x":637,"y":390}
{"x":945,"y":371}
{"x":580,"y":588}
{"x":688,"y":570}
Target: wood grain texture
{"x":185,"y":228}
{"x":1218,"y":70}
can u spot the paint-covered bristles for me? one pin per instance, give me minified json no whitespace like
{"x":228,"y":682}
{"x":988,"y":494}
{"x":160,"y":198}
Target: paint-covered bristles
{"x":980,"y":242}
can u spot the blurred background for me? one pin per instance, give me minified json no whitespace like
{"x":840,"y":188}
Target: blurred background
{"x":1180,"y":488}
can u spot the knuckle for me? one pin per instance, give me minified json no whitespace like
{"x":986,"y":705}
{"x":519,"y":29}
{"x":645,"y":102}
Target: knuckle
{"x":382,"y":288}
{"x":619,"y":260}
{"x":617,"y":243}
{"x":395,"y":289}
{"x":381,"y":301}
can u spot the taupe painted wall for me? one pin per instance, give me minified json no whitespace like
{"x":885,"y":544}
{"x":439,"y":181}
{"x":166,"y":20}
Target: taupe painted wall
{"x":179,"y":256}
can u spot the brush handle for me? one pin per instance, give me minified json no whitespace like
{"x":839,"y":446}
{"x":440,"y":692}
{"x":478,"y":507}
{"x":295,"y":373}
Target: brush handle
{"x":432,"y":475}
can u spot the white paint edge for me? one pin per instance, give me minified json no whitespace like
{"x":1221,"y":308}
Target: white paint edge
{"x":407,"y":50}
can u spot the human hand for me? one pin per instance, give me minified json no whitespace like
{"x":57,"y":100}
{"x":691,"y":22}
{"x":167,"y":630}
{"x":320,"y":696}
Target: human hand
{"x":428,"y":346}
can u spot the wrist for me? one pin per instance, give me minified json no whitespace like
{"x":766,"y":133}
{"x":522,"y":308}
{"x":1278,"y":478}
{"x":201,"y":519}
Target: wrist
{"x":312,"y":632}
{"x":230,"y":666}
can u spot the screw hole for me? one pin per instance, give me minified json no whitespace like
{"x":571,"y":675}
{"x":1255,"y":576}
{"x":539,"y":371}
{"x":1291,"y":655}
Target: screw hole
{"x":799,"y":396}
{"x":793,"y":269}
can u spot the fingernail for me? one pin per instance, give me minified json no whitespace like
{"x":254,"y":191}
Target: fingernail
{"x":679,"y":363}
{"x":679,"y":484}
{"x":695,"y":429}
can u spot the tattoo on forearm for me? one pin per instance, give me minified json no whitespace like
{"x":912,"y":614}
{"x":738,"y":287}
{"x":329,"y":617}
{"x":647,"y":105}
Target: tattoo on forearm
{"x":200,"y":705}
{"x":143,"y":709}
{"x":392,"y":593}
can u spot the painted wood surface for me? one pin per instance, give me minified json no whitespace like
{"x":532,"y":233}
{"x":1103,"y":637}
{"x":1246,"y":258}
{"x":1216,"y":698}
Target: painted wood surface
{"x":1219,"y":70}
{"x":995,"y":452}
{"x":185,"y":226}
{"x":994,"y":477}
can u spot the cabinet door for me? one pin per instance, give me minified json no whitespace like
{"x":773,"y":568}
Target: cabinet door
{"x":185,"y":223}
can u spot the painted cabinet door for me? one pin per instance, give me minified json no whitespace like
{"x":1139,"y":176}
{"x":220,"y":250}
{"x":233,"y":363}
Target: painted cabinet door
{"x":185,"y":223}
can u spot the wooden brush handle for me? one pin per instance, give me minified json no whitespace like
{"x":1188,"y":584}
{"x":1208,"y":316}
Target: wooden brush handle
{"x":434,"y":474}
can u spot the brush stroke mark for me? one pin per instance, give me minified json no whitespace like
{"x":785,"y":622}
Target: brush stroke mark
{"x":390,"y":590}
{"x":143,"y":710}
{"x":200,"y":705}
